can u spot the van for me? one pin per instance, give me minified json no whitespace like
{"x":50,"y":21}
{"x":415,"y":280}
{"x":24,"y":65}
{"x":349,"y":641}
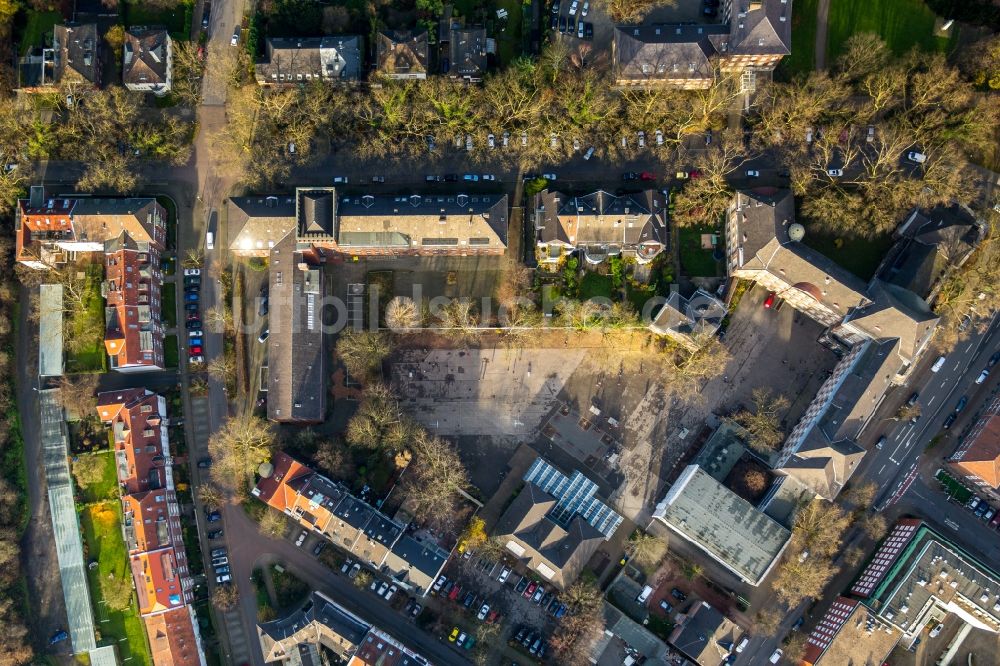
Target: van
{"x":644,"y":595}
{"x":742,"y":645}
{"x":914,"y":156}
{"x":209,"y":241}
{"x":938,"y":364}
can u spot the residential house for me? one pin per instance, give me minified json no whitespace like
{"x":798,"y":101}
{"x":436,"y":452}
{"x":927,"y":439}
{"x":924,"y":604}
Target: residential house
{"x":977,"y":457}
{"x":297,"y":637}
{"x":466,"y":48}
{"x":329,"y":510}
{"x":299,"y":60}
{"x":753,"y":36}
{"x":704,"y":635}
{"x":73,"y":62}
{"x":133,"y":335}
{"x":690,"y":321}
{"x":380,"y":649}
{"x":147,"y":61}
{"x":151,"y":524}
{"x":402,"y":54}
{"x":722,"y":524}
{"x":601,"y":225}
{"x":556,"y":523}
{"x":918,"y":577}
{"x":50,"y":231}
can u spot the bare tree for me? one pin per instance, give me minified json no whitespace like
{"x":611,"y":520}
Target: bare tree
{"x":78,"y":394}
{"x":362,"y":352}
{"x":435,"y":479}
{"x":402,"y":313}
{"x":763,"y":421}
{"x":238,"y":448}
{"x":645,"y":550}
{"x":273,"y":524}
{"x":225,"y":597}
{"x":210,"y":495}
{"x":582,"y":624}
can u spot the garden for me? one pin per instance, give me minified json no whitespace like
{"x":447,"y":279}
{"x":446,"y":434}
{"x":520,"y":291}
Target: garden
{"x":697,"y":260}
{"x":96,"y":477}
{"x":860,"y":256}
{"x":84,"y":323}
{"x":903,"y":24}
{"x":111,"y":585}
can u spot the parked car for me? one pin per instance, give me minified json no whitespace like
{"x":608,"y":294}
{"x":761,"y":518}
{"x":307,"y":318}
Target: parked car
{"x":491,"y":141}
{"x":453,"y":635}
{"x":642,"y":139}
{"x":530,"y":590}
{"x":451,"y":178}
{"x":215,"y":534}
{"x":193,"y":288}
{"x":989,"y":514}
{"x":521,"y":585}
{"x":205,"y":463}
{"x":538,"y":594}
{"x":483,"y":612}
{"x":753,"y":173}
{"x":769,"y":301}
{"x":213,"y":517}
{"x":263,"y":335}
{"x":318,"y":548}
{"x":469,"y":598}
{"x":835,"y":173}
{"x":415,"y":611}
{"x":981,"y":509}
{"x":504,"y":574}
{"x":586,"y":8}
{"x":378,"y":180}
{"x":220,"y":561}
{"x":776,"y":656}
{"x":549,"y":176}
{"x":489,"y":176}
{"x":962,"y":402}
{"x":194,"y":350}
{"x":665,"y":607}
{"x":300,"y":538}
{"x":355,"y":570}
{"x":630,"y":175}
{"x":223,"y":579}
{"x":974,"y":502}
{"x":913,"y":400}
{"x":678,"y":595}
{"x":461,"y":639}
{"x":191,"y":307}
{"x":590,"y":153}
{"x":455,"y":591}
{"x":236,"y":37}
{"x":222,"y":570}
{"x":382,"y":588}
{"x":434,"y":179}
{"x":196,"y":359}
{"x":218,"y":552}
{"x":993,"y":360}
{"x":917,"y":157}
{"x":982,"y":376}
{"x":438,"y":584}
{"x":188,"y":272}
{"x":948,"y":422}
{"x":579,"y":30}
{"x":588,"y":30}
{"x":647,"y":175}
{"x":936,"y":630}
{"x":390,"y":592}
{"x":471,"y":177}
{"x":881,"y":442}
{"x":562,"y":24}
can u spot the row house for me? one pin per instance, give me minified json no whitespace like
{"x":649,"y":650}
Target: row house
{"x":132,"y":287}
{"x":977,"y":458}
{"x":329,"y":510}
{"x":301,"y":60}
{"x":72,"y":62}
{"x":151,"y":523}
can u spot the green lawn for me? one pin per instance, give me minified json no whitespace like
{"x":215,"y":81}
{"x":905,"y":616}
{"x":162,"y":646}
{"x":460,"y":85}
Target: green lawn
{"x":696,"y":262}
{"x":594,"y":284}
{"x":860,"y":256}
{"x":903,"y":24}
{"x":38,"y":29}
{"x":638,"y":296}
{"x":107,"y":488}
{"x":510,"y":40}
{"x":88,"y":325}
{"x":176,"y":19}
{"x":103,"y":542}
{"x":168,"y":304}
{"x":171,"y":356}
{"x":802,"y":59}
{"x":954,"y":488}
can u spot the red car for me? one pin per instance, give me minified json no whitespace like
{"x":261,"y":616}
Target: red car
{"x":530,"y":590}
{"x":454,"y":592}
{"x":769,"y":301}
{"x":194,"y":351}
{"x":646,"y":175}
{"x":694,"y":174}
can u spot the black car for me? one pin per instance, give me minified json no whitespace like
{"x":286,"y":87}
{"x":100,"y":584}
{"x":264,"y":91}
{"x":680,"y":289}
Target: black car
{"x":555,"y":22}
{"x":520,"y":634}
{"x":192,"y":279}
{"x":451,"y":178}
{"x":588,"y":30}
{"x":469,"y":598}
{"x":215,"y":534}
{"x":214,"y":517}
{"x":205,"y":15}
{"x":710,"y":11}
{"x":677,"y":594}
{"x":571,"y":25}
{"x":192,"y":288}
{"x":993,"y":360}
{"x":262,"y":310}
{"x":963,"y":401}
{"x":562,"y":24}
{"x":913,"y":400}
{"x":415,"y":611}
{"x":630,"y":175}
{"x":193,"y":324}
{"x":319,"y":548}
{"x":191,"y":307}
{"x":950,"y":420}
{"x":205,"y":463}
{"x":555,"y":8}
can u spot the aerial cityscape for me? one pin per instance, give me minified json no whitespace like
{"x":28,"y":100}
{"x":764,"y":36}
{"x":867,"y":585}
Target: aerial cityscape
{"x":500,"y":332}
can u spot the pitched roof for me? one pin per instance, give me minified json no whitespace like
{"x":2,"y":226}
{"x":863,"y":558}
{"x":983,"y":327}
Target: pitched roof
{"x":157,"y":581}
{"x":278,"y":490}
{"x":660,"y":53}
{"x":145,"y":517}
{"x":700,"y":632}
{"x":860,"y":389}
{"x":823,"y":466}
{"x":319,"y":621}
{"x":415,"y":563}
{"x":467,"y":48}
{"x":980,"y":451}
{"x":695,"y":317}
{"x":402,"y":52}
{"x":760,"y":27}
{"x":895,"y":312}
{"x":172,"y":638}
{"x":258,"y":223}
{"x":77,"y":55}
{"x":297,"y":59}
{"x":558,"y":552}
{"x":133,"y":335}
{"x":146,"y":57}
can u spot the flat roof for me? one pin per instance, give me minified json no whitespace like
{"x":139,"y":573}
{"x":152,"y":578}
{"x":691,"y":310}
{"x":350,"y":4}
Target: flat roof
{"x":723,"y":524}
{"x":50,"y":330}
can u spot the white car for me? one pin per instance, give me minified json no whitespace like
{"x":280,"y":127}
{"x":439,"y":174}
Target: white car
{"x":382,"y":588}
{"x":194,"y":334}
{"x":504,"y":574}
{"x":936,"y":630}
{"x":573,"y":7}
{"x":192,"y":271}
{"x":914,"y":156}
{"x":659,"y":137}
{"x":488,"y":176}
{"x":439,"y":583}
{"x":776,"y":656}
{"x":982,"y":376}
{"x":483,"y":612}
{"x":301,"y":538}
{"x":340,"y":180}
{"x":554,"y":140}
{"x":468,"y":143}
{"x":835,"y":173}
{"x":579,"y":30}
{"x":549,"y":176}
{"x":524,"y":138}
{"x":471,"y":177}
{"x":225,"y":578}
{"x":642,"y":139}
{"x":263,"y":335}
{"x":491,"y":141}
{"x":391,"y":591}
{"x":196,"y":359}
{"x":753,"y":173}
{"x":586,"y":8}
{"x":590,"y":153}
{"x":236,"y":37}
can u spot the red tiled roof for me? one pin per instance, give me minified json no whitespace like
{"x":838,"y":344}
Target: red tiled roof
{"x":135,"y":298}
{"x":136,"y":425}
{"x":981,"y":454}
{"x":171,"y":638}
{"x":274,"y":490}
{"x":157,"y":580}
{"x":149,"y":515}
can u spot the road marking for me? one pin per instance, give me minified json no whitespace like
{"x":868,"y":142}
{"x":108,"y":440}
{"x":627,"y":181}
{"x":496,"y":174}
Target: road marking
{"x":931,"y":401}
{"x":951,"y":523}
{"x":881,"y":470}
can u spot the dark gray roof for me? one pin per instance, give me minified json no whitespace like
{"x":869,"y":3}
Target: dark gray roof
{"x":860,"y":391}
{"x":296,"y":377}
{"x":354,"y":512}
{"x":258,"y":223}
{"x":304,"y":59}
{"x":321,"y":610}
{"x":895,"y":312}
{"x":696,"y":636}
{"x":467,"y":48}
{"x":381,"y":529}
{"x":760,"y":27}
{"x":659,"y":53}
{"x":601,"y":217}
{"x":146,"y":57}
{"x":77,"y":53}
{"x":402,"y":52}
{"x":315,"y":212}
{"x":424,"y":560}
{"x":319,"y":489}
